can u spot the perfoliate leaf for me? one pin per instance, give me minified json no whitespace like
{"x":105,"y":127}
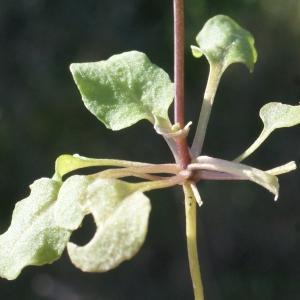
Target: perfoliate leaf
{"x":274,"y":115}
{"x":121,"y":214}
{"x":33,"y":237}
{"x":124,"y":89}
{"x":224,"y":42}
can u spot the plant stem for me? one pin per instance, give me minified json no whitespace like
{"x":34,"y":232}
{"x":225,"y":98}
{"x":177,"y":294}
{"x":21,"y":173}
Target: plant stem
{"x":209,"y":95}
{"x":183,"y":151}
{"x":191,"y":235}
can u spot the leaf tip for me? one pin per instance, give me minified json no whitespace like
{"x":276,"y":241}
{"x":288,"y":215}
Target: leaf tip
{"x":196,"y":51}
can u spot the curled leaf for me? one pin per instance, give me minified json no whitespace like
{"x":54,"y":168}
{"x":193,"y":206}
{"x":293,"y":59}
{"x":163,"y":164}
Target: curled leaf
{"x":124,"y":89}
{"x":121,"y":214}
{"x":33,"y":237}
{"x":274,"y":115}
{"x":169,"y":131}
{"x":241,"y":172}
{"x":67,"y":163}
{"x":224,"y":42}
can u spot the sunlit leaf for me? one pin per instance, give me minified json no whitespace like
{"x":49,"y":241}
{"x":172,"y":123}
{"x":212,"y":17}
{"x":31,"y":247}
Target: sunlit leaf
{"x":33,"y":237}
{"x":67,"y":163}
{"x":224,"y":42}
{"x":124,"y":89}
{"x":277,"y":115}
{"x":274,"y":115}
{"x":121,"y":214}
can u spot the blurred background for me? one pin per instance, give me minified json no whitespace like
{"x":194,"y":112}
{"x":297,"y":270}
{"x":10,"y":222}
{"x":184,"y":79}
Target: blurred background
{"x":249,"y":245}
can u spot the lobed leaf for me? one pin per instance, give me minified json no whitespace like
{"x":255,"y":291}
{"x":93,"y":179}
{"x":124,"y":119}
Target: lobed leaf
{"x":33,"y":237}
{"x":224,"y":42}
{"x":121,"y":214}
{"x":124,"y":89}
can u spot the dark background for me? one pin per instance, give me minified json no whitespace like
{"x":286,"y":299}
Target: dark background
{"x":249,"y":245}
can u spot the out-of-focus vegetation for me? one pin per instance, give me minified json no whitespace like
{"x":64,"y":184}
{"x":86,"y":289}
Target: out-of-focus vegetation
{"x":249,"y":245}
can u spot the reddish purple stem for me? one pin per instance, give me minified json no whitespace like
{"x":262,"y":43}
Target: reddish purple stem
{"x":183,"y":151}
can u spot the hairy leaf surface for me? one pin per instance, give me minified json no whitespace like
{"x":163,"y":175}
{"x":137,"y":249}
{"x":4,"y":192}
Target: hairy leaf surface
{"x":121,"y":214}
{"x":33,"y":237}
{"x":274,"y":115}
{"x":224,"y":42}
{"x":124,"y":89}
{"x":277,"y":115}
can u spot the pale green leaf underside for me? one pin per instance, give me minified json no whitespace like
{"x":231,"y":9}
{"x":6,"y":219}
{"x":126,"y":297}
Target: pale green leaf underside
{"x":33,"y":237}
{"x":274,"y":115}
{"x":124,"y":89}
{"x":121,"y":214}
{"x":224,"y":42}
{"x":263,"y":178}
{"x":277,"y":115}
{"x":67,"y":163}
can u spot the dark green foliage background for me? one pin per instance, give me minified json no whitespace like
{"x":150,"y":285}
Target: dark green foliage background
{"x":249,"y":245}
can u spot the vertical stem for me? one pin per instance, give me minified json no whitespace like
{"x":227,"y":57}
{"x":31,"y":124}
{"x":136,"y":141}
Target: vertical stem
{"x":179,"y":61}
{"x":190,"y":212}
{"x":183,"y":151}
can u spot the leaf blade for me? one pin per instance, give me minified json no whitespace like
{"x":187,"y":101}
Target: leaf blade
{"x":124,"y":89}
{"x":274,"y":115}
{"x":33,"y":237}
{"x":121,"y":214}
{"x":277,"y":115}
{"x":224,"y":42}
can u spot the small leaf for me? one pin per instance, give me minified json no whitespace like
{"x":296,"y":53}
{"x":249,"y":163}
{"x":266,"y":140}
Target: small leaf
{"x":124,"y":89}
{"x":277,"y":115}
{"x":274,"y":115}
{"x":169,"y":131}
{"x":67,"y":163}
{"x":224,"y":42}
{"x":196,"y":51}
{"x":121,"y":214}
{"x":33,"y":237}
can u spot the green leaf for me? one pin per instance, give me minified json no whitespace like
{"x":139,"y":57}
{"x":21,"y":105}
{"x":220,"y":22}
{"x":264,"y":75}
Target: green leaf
{"x":121,"y":214}
{"x":33,"y":237}
{"x":277,"y":115}
{"x":224,"y":42}
{"x":67,"y":163}
{"x":124,"y":89}
{"x":274,"y":115}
